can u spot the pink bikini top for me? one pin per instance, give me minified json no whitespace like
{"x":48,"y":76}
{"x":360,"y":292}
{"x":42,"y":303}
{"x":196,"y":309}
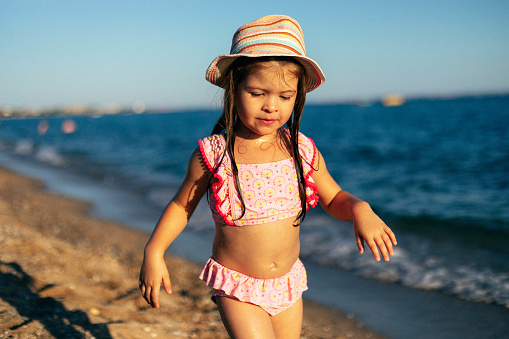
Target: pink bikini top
{"x":270,"y":190}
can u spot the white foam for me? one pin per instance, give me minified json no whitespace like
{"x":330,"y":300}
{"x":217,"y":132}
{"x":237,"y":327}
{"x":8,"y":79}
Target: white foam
{"x":24,"y":147}
{"x":49,"y":155}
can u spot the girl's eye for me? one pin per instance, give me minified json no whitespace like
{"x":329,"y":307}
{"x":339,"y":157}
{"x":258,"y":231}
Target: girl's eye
{"x":285,"y":98}
{"x":256,"y":94}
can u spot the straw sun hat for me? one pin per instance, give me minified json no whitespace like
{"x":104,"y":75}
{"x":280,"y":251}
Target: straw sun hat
{"x":273,"y":35}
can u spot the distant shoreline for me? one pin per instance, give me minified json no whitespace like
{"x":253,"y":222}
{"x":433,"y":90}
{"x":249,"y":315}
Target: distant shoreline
{"x":7,"y":112}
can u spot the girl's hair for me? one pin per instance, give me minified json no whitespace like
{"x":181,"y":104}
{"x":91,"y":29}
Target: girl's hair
{"x":227,"y":122}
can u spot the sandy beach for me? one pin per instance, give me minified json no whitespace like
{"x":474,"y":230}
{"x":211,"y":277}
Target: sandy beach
{"x":64,"y":274}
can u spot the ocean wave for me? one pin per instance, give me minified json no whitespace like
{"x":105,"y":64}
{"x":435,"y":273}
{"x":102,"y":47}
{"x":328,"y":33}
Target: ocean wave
{"x":24,"y":147}
{"x":51,"y":156}
{"x":418,"y":262}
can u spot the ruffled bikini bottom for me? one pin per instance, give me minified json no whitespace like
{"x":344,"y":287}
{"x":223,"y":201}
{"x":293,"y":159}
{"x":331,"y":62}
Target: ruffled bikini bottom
{"x":273,"y":295}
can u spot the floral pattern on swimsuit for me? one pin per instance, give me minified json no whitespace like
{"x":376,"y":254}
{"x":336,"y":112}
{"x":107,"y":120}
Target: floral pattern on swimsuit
{"x":270,"y":190}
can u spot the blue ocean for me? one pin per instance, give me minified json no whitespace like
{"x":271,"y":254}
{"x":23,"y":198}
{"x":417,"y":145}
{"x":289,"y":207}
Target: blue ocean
{"x":436,"y":170}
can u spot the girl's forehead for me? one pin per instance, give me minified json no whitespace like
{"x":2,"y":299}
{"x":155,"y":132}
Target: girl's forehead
{"x":272,"y":72}
{"x":277,"y":67}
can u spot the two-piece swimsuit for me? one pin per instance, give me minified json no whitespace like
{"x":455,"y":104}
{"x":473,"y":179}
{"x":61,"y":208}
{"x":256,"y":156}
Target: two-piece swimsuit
{"x":270,"y":193}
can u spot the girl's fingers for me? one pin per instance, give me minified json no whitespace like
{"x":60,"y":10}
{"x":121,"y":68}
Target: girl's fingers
{"x":388,"y":243}
{"x":154,"y":296}
{"x":374,"y":249}
{"x":146,"y":295}
{"x":167,"y":285}
{"x":379,"y":238}
{"x":360,"y":243}
{"x":383,"y":248}
{"x":391,"y":235}
{"x":143,"y":290}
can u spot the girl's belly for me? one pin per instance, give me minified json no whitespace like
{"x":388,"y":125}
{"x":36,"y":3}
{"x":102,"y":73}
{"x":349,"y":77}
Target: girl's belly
{"x":263,"y":251}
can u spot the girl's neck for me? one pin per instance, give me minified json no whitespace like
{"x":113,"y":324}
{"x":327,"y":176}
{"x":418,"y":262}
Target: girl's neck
{"x":244,"y":133}
{"x":254,"y":148}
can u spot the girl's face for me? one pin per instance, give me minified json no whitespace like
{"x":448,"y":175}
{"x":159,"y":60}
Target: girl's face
{"x":265,"y":99}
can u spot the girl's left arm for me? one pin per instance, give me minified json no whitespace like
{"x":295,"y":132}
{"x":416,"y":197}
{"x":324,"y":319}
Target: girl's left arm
{"x":367,"y":226}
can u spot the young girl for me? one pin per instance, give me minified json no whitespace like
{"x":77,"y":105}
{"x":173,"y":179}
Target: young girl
{"x":261,"y":174}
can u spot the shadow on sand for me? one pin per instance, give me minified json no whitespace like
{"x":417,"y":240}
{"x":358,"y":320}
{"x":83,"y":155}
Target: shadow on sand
{"x":16,"y":288}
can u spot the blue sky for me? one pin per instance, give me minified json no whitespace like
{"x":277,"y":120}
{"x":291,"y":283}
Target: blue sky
{"x":56,"y":53}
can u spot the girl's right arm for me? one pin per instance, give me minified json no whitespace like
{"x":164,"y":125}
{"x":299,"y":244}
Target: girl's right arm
{"x":170,"y":225}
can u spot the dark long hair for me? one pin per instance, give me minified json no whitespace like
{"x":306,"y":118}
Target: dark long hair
{"x":227,"y":122}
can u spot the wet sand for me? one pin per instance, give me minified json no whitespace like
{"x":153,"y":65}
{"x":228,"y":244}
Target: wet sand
{"x":64,"y":274}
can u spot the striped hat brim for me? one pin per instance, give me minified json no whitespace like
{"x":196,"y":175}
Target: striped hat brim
{"x":221,"y":64}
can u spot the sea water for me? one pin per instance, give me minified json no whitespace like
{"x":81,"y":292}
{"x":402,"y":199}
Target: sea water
{"x":437,"y":171}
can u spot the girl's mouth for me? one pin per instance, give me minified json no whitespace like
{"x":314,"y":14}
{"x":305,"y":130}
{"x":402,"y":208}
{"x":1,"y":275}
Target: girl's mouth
{"x":267,"y":121}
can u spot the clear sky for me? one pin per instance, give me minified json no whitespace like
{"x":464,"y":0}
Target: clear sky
{"x":98,"y":52}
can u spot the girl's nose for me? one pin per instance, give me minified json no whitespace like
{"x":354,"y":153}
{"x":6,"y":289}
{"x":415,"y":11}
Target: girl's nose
{"x":270,"y":105}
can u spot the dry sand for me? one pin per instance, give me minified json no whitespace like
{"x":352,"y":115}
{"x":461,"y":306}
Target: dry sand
{"x":66,"y":275}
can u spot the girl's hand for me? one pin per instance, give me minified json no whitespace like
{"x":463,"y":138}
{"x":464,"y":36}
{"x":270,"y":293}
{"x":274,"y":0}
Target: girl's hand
{"x":369,"y":228}
{"x":153,"y":272}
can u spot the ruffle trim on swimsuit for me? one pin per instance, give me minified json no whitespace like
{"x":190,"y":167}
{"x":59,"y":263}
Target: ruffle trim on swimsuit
{"x":307,"y":147}
{"x":212,"y":150}
{"x":270,"y":294}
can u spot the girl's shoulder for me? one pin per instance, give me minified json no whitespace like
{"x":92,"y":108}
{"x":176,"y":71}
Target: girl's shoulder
{"x":307,"y":148}
{"x":212,"y":149}
{"x":214,"y":140}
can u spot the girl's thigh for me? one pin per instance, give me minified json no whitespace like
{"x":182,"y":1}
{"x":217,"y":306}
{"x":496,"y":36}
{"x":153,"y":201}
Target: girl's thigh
{"x":288,"y":324}
{"x":244,"y":320}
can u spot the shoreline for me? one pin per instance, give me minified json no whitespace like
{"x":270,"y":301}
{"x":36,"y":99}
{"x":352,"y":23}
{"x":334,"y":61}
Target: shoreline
{"x":64,"y":273}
